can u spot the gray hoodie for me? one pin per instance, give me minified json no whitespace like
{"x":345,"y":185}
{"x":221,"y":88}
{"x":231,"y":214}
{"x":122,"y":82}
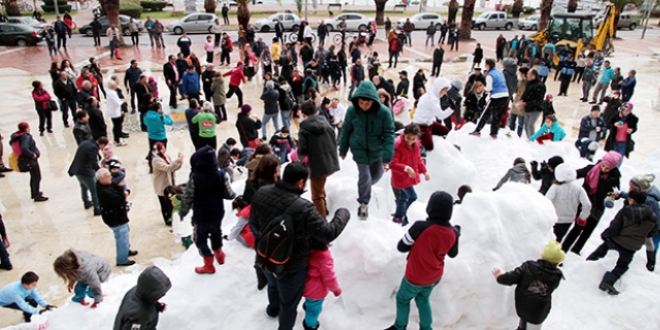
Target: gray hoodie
{"x":518,"y":173}
{"x":94,"y":270}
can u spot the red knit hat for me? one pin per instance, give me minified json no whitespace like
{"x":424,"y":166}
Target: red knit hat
{"x":23,"y":126}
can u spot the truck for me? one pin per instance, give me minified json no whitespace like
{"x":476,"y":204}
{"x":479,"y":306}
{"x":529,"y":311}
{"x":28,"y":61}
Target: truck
{"x":493,"y":20}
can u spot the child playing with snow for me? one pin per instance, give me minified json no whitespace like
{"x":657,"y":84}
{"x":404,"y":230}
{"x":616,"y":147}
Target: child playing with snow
{"x":568,"y":198}
{"x":84,"y":273}
{"x":428,"y":242}
{"x":547,"y":172}
{"x":631,"y":226}
{"x":518,"y":173}
{"x":181,"y":226}
{"x":462,"y":191}
{"x":406,"y":166}
{"x":282,"y":144}
{"x":321,"y":279}
{"x":549,"y":131}
{"x":24,"y":296}
{"x":241,"y":231}
{"x":535,"y":281}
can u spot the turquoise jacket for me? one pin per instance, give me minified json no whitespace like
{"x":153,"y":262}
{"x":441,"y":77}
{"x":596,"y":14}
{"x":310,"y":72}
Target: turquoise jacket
{"x":15,"y":293}
{"x":369,"y":134}
{"x":156,"y":125}
{"x":555,"y":129}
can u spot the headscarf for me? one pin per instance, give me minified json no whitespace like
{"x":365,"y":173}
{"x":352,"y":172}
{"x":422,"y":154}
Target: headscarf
{"x":156,"y":151}
{"x":611,"y":159}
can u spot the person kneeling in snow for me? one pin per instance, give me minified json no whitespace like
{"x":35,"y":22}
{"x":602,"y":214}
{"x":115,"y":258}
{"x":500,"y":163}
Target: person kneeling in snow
{"x":140,"y":307}
{"x":428,"y":242}
{"x":568,"y":199}
{"x":24,"y":296}
{"x":518,"y":173}
{"x":535,"y":281}
{"x":550,"y":130}
{"x":430,"y":114}
{"x":241,"y":231}
{"x":547,"y":172}
{"x":84,"y":270}
{"x":626,"y":234}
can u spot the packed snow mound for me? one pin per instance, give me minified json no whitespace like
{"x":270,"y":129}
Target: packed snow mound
{"x":499,"y":229}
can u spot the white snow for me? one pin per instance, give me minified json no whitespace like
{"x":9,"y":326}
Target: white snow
{"x":501,"y":229}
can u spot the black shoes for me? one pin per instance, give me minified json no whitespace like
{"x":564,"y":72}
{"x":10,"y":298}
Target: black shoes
{"x":6,"y":267}
{"x":40,"y":198}
{"x":132,"y":253}
{"x":306,"y":327}
{"x":88,"y":206}
{"x":97,"y":213}
{"x":5,"y":170}
{"x":128,"y":263}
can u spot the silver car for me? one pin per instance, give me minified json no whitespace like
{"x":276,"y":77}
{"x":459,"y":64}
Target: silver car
{"x":193,"y":23}
{"x":290,"y":22}
{"x":422,"y":21}
{"x":354,"y":22}
{"x":28,"y":21}
{"x":529,"y":23}
{"x":626,"y":21}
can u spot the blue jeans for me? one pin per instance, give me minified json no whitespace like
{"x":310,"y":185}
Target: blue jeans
{"x":406,"y":197}
{"x":80,"y":291}
{"x":354,"y":85}
{"x":67,"y":105}
{"x":621,"y":148}
{"x":313,"y":309}
{"x":26,"y":316}
{"x":408,"y":37}
{"x":264,"y":121}
{"x":282,"y":154}
{"x":88,"y":183}
{"x":284,"y":294}
{"x":583,"y":146}
{"x":369,"y":174}
{"x":122,"y":242}
{"x":286,"y":118}
{"x":521,"y":123}
{"x":429,"y":37}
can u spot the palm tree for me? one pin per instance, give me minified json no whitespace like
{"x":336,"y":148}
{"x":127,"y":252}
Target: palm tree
{"x":243,"y":13}
{"x":380,"y":11}
{"x":11,"y":6}
{"x":453,"y":9}
{"x":209,"y":6}
{"x":572,"y":5}
{"x":546,"y":8}
{"x":618,"y":6}
{"x":517,"y":8}
{"x":466,"y":19}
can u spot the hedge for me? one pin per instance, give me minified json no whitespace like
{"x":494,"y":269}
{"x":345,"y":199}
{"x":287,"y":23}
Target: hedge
{"x":130,"y":9}
{"x":153,"y":5}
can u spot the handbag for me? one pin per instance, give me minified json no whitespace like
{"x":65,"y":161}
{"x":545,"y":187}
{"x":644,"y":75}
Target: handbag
{"x":51,"y":105}
{"x":13,"y":162}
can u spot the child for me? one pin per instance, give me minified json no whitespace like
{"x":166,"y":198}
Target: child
{"x":24,"y":296}
{"x":321,"y":279}
{"x":568,"y":199}
{"x":428,"y":242}
{"x":115,"y":45}
{"x":281,"y":143}
{"x":119,"y":178}
{"x":181,"y":226}
{"x":547,"y":172}
{"x":547,"y":107}
{"x":406,"y":166}
{"x":462,"y":191}
{"x":139,"y":310}
{"x":550,"y":131}
{"x":84,"y":270}
{"x":536,"y":280}
{"x":475,"y":102}
{"x":335,"y":72}
{"x":626,"y":234}
{"x":325,"y":72}
{"x":153,"y":87}
{"x":241,"y":231}
{"x":518,"y":173}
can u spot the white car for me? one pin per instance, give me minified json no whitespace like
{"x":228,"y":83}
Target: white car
{"x":422,"y":21}
{"x":529,"y":23}
{"x":290,"y":22}
{"x":193,"y":23}
{"x":354,"y":22}
{"x":25,"y":20}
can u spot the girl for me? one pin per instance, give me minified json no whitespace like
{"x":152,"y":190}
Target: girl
{"x":84,"y":273}
{"x":385,"y":97}
{"x":321,"y":279}
{"x":153,"y":86}
{"x":163,"y":177}
{"x":266,"y":61}
{"x":549,"y":131}
{"x":568,"y":198}
{"x":475,"y":102}
{"x":95,"y":70}
{"x":241,"y":230}
{"x":209,"y":46}
{"x":68,"y":68}
{"x":406,"y":166}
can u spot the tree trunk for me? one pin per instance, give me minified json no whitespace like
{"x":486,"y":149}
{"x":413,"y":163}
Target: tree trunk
{"x":209,"y":6}
{"x":517,"y":8}
{"x":453,"y":10}
{"x":466,"y":19}
{"x":380,"y":11}
{"x":243,"y":15}
{"x":546,"y":9}
{"x":572,"y":5}
{"x":111,"y":9}
{"x":11,"y":6}
{"x":422,"y":6}
{"x":617,"y":13}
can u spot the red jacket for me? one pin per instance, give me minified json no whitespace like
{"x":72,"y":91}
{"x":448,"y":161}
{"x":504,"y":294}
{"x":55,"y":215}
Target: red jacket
{"x":404,"y":156}
{"x":320,"y":275}
{"x":91,"y":79}
{"x":426,"y":260}
{"x":237,"y":76}
{"x":41,"y":96}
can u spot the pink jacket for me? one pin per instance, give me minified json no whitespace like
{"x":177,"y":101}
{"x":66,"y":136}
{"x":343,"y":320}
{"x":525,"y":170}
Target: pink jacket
{"x":209,"y":46}
{"x":404,"y":156}
{"x":42,"y":96}
{"x":320,"y":275}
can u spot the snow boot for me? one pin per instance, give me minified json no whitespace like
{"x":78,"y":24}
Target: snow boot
{"x":607,"y":284}
{"x":219,"y":256}
{"x":306,"y":327}
{"x":363,"y":211}
{"x":650,"y":260}
{"x":207,"y":268}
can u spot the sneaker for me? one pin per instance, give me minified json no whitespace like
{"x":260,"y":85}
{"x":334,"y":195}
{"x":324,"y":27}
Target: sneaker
{"x":7,"y":267}
{"x":399,"y":221}
{"x":88,"y":206}
{"x":40,"y":198}
{"x":475,"y":133}
{"x":121,"y":144}
{"x":494,"y":137}
{"x":127,"y":263}
{"x":592,"y":102}
{"x":6,"y":169}
{"x":363,"y":211}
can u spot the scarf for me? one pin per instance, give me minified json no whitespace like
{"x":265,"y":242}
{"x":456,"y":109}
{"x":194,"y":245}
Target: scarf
{"x":611,"y":159}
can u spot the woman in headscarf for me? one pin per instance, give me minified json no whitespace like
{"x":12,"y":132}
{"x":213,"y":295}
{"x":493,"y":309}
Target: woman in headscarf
{"x":163,"y":177}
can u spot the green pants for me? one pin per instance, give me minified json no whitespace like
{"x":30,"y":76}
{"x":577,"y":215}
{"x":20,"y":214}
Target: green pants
{"x":421,"y":294}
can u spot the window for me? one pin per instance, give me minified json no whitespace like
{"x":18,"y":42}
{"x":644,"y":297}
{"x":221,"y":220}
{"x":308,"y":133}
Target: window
{"x":587,"y":31}
{"x":288,"y":18}
{"x":429,"y":17}
{"x":353,"y":17}
{"x":193,"y":18}
{"x":9,"y":28}
{"x":492,"y":17}
{"x":205,"y":17}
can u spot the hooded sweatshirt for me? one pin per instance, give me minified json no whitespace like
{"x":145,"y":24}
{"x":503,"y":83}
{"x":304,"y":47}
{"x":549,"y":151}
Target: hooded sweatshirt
{"x":406,"y":155}
{"x":556,"y":130}
{"x":139,"y":309}
{"x":369,"y":134}
{"x":518,"y":173}
{"x":510,"y":70}
{"x":631,"y":226}
{"x":428,"y":107}
{"x":316,"y":140}
{"x":566,"y":198}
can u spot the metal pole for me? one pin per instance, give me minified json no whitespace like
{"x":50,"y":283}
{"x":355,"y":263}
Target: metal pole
{"x":57,"y":9}
{"x":306,"y":1}
{"x":648,"y":14}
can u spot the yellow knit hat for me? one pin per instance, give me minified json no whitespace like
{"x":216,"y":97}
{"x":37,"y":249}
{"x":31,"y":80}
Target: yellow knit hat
{"x":553,"y":253}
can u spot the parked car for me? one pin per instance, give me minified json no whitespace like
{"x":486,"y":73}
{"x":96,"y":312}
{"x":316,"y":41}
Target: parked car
{"x":626,"y":21}
{"x":290,"y":22}
{"x":354,"y":22}
{"x":422,"y":21}
{"x":493,"y":20}
{"x":193,"y":23}
{"x":105,"y":24}
{"x":529,"y":23}
{"x":18,"y":35}
{"x":25,"y":20}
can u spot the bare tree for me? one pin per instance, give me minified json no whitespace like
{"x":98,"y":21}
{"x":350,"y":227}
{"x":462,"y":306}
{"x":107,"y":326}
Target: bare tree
{"x":209,"y":6}
{"x":243,"y":13}
{"x":11,"y":6}
{"x":517,"y":8}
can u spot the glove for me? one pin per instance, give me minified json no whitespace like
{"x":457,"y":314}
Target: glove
{"x":458,"y":229}
{"x":534,"y":164}
{"x":94,"y":305}
{"x":581,"y":222}
{"x":337,"y":292}
{"x":161,"y":307}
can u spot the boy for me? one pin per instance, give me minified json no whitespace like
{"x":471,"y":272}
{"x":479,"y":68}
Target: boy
{"x":536,"y":280}
{"x":140,"y":307}
{"x":428,"y":242}
{"x":462,"y":191}
{"x":631,"y":226}
{"x":281,"y":143}
{"x":24,"y":296}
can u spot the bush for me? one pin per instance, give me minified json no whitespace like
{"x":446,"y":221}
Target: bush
{"x":528,"y":10}
{"x":49,"y":6}
{"x":130,"y":9}
{"x":153,"y":5}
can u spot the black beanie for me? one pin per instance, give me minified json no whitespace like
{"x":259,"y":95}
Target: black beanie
{"x":554,"y":161}
{"x":440,"y":206}
{"x":638,"y":196}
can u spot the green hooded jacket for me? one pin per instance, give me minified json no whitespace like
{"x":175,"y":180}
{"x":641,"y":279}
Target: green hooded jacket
{"x":369,"y":134}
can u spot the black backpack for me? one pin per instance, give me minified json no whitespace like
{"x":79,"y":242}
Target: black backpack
{"x":275,"y":244}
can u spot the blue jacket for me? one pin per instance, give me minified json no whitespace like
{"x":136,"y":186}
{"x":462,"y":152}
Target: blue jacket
{"x":586,"y":127}
{"x":156,"y":125}
{"x":628,"y":88}
{"x":608,"y":74}
{"x":15,"y":293}
{"x":569,"y":67}
{"x":190,"y":83}
{"x":499,"y":83}
{"x":555,"y":129}
{"x":193,"y":128}
{"x":550,"y":46}
{"x":132,"y":76}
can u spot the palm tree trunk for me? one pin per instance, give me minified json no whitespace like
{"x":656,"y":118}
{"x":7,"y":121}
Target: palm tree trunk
{"x":380,"y":11}
{"x":209,"y":6}
{"x":546,"y":9}
{"x":11,"y":6}
{"x":466,"y":19}
{"x":453,"y":10}
{"x":517,"y":8}
{"x":572,"y":5}
{"x":243,"y":15}
{"x":111,"y":9}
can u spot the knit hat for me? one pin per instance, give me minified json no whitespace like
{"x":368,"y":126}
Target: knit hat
{"x":554,"y":161}
{"x":440,"y":206}
{"x":553,"y":253}
{"x":637,"y":195}
{"x":507,"y":61}
{"x":457,"y":83}
{"x":23,"y":126}
{"x":565,"y":173}
{"x":593,"y":146}
{"x":643,"y":181}
{"x":548,"y":97}
{"x":617,"y":92}
{"x":612,"y":159}
{"x":246,"y":108}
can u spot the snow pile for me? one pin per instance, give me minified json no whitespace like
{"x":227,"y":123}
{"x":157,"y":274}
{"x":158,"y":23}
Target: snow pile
{"x":500,"y":229}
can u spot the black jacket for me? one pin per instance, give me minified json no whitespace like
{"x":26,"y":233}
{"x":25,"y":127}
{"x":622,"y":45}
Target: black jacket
{"x":113,"y":204}
{"x":306,"y":53}
{"x":207,"y":80}
{"x":605,"y":186}
{"x":248,"y":128}
{"x":86,"y":160}
{"x":511,"y":77}
{"x":631,"y":226}
{"x":140,"y":90}
{"x":168,"y":72}
{"x":321,"y":30}
{"x":478,"y":55}
{"x":474,"y":107}
{"x":418,"y":82}
{"x":534,"y":95}
{"x":402,"y":87}
{"x":96,"y":122}
{"x":140,"y":307}
{"x":317,"y":140}
{"x":64,"y":90}
{"x":535,"y":281}
{"x":272,"y":200}
{"x":438,"y":56}
{"x":632,"y":121}
{"x":543,"y":174}
{"x":181,"y":67}
{"x":82,"y":132}
{"x":83,"y":96}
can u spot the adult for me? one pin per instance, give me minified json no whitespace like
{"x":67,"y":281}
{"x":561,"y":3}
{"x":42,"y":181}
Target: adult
{"x":266,"y":172}
{"x":26,"y":150}
{"x":287,"y":101}
{"x":394,"y":48}
{"x":216,"y":29}
{"x":114,"y":212}
{"x":236,"y":77}
{"x":171,"y":74}
{"x":225,"y":13}
{"x":621,"y":128}
{"x":567,"y":71}
{"x":158,"y":29}
{"x":248,"y":126}
{"x":279,"y":31}
{"x":419,"y":81}
{"x":81,"y":129}
{"x":368,"y":131}
{"x":438,"y":58}
{"x":478,"y":56}
{"x":430,"y":35}
{"x":155,"y":120}
{"x":408,"y":30}
{"x":476,"y":75}
{"x":66,"y":91}
{"x":628,"y":86}
{"x":207,"y":79}
{"x":270,"y":96}
{"x":603,"y":83}
{"x":590,"y":75}
{"x":95,"y":71}
{"x":131,"y":78}
{"x":357,"y":77}
{"x":96,"y":120}
{"x":517,"y":111}
{"x":532,"y":101}
{"x":500,"y":44}
{"x":42,"y":100}
{"x":61,"y":29}
{"x":148,"y":25}
{"x":140,"y":307}
{"x":142,"y":88}
{"x":258,"y":47}
{"x":499,"y":98}
{"x":206,"y":119}
{"x":403,"y":85}
{"x":617,"y":80}
{"x":204,"y":193}
{"x":113,"y":33}
{"x":96,"y":31}
{"x":193,"y":129}
{"x":592,"y":130}
{"x":184,"y":43}
{"x":163,"y":177}
{"x":430,"y":114}
{"x":285,"y":288}
{"x":322,"y":32}
{"x":219,"y":96}
{"x":134,"y":28}
{"x":84,"y":166}
{"x":85,"y":93}
{"x":190,"y":84}
{"x":113,"y":111}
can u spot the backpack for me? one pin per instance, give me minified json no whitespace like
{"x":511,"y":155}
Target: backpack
{"x":275,"y":244}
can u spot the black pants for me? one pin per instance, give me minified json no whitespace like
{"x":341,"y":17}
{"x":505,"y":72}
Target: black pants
{"x":343,"y":73}
{"x":209,"y":57}
{"x":494,"y":109}
{"x":205,"y":232}
{"x":143,"y":127}
{"x":172,"y":88}
{"x":221,"y":112}
{"x":135,"y":38}
{"x":558,"y":69}
{"x":194,"y":137}
{"x":284,"y":293}
{"x":193,"y":96}
{"x":237,"y":90}
{"x":61,"y":41}
{"x":26,"y":316}
{"x":225,"y":19}
{"x":322,"y":40}
{"x":560,"y":230}
{"x":579,"y":72}
{"x":394,"y":55}
{"x":216,"y":42}
{"x":582,"y":234}
{"x":224,"y":56}
{"x":166,"y":209}
{"x":117,"y":128}
{"x":204,"y":141}
{"x":150,"y":155}
{"x":45,"y":119}
{"x":625,"y":257}
{"x":441,"y":40}
{"x":97,"y":39}
{"x":436,"y":69}
{"x":207,"y":95}
{"x":280,"y":37}
{"x":565,"y":82}
{"x":35,"y":178}
{"x":133,"y":98}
